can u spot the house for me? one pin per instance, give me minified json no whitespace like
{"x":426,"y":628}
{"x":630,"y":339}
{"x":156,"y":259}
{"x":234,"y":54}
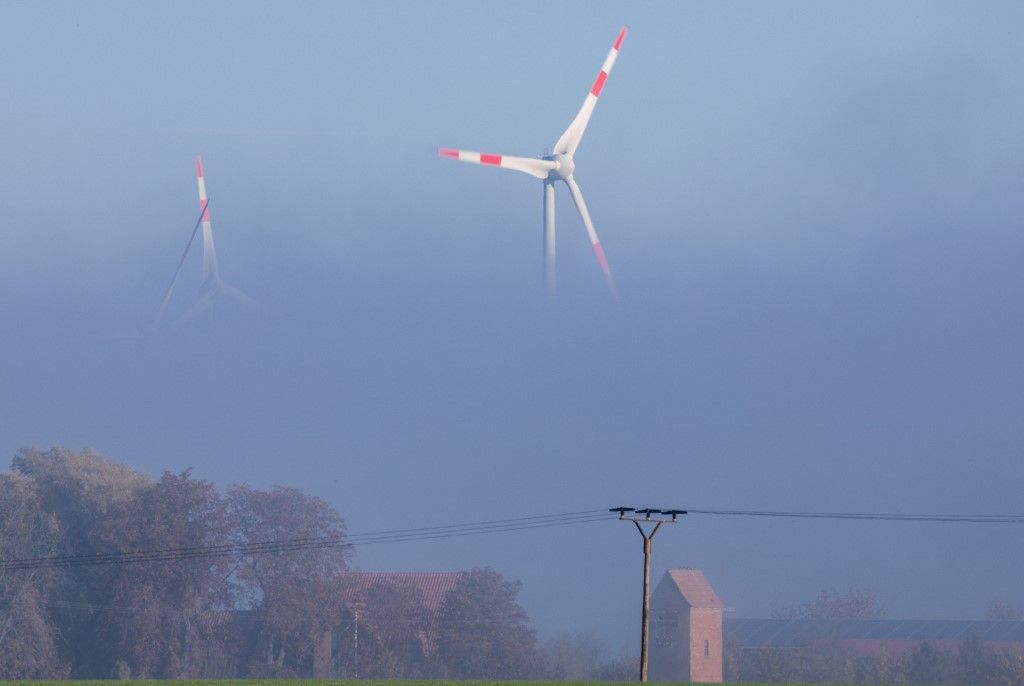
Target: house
{"x":685,"y":629}
{"x":432,"y":587}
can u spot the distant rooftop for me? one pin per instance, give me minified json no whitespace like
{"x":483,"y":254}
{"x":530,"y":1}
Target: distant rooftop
{"x":695,"y":588}
{"x":434,"y":586}
{"x":798,"y":632}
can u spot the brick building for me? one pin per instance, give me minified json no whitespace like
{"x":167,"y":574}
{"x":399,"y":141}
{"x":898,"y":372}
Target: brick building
{"x":686,"y":629}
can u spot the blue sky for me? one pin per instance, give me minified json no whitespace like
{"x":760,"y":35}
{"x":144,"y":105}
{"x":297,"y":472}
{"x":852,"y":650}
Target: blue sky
{"x":813,"y":211}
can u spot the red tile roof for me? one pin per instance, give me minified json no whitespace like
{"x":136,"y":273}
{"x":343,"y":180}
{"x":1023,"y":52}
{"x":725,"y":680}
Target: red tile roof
{"x":695,"y":588}
{"x":434,"y":586}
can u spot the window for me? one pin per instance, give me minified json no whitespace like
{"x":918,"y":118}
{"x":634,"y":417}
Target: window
{"x":707,"y":648}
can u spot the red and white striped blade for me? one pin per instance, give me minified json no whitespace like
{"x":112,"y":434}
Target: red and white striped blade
{"x":527,"y":165}
{"x":570,"y":140}
{"x":595,"y":243}
{"x":209,"y":251}
{"x":201,"y":182}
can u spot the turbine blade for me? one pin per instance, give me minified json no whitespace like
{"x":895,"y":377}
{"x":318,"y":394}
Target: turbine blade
{"x":528,"y":165}
{"x":191,"y":239}
{"x":209,"y":252}
{"x":581,"y":205}
{"x":570,"y":140}
{"x":238,"y":295}
{"x":204,"y":303}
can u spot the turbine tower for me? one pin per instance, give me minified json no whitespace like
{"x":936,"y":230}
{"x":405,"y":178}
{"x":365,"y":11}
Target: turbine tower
{"x":558,"y":166}
{"x":211,"y":286}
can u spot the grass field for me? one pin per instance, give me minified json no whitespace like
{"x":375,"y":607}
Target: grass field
{"x":331,"y":682}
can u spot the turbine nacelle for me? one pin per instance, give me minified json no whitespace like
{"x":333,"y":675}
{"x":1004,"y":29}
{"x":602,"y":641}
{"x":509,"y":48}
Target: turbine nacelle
{"x":563,"y":169}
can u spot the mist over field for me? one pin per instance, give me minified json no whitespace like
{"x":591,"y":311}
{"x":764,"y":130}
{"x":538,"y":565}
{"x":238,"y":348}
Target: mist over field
{"x":813,"y":214}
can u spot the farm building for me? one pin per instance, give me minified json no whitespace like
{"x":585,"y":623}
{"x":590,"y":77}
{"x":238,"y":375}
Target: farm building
{"x":686,"y":629}
{"x":872,"y":636}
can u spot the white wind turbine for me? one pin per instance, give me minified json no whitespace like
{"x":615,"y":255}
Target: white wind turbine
{"x":558,"y":166}
{"x":211,"y":286}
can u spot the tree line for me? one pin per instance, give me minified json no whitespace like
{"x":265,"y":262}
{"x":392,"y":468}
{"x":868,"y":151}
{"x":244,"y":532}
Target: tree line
{"x":973,"y":663}
{"x":254,"y":615}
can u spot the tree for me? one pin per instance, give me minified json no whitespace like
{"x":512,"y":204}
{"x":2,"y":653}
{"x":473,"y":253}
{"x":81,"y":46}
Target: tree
{"x":174,"y":611}
{"x":977,"y":661}
{"x":574,"y":657}
{"x":483,"y":631}
{"x":930,"y":665}
{"x":28,"y":647}
{"x":293,"y":596}
{"x":1004,"y":610}
{"x":824,"y":660}
{"x":622,"y":668}
{"x":149,"y":620}
{"x":393,"y":628}
{"x":583,"y":657}
{"x":184,"y":616}
{"x":94,"y":501}
{"x":856,"y":604}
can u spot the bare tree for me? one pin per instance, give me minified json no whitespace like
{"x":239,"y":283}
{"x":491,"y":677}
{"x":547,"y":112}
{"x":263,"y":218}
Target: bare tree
{"x":575,"y":657}
{"x":856,"y":604}
{"x":1004,"y":610}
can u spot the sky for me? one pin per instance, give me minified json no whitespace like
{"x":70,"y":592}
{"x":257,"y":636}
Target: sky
{"x":813,"y":212}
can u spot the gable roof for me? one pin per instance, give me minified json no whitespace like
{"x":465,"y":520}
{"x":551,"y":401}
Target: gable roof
{"x":434,"y":586}
{"x":695,"y":589}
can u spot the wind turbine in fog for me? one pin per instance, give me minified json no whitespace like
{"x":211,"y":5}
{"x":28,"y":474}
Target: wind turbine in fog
{"x":211,"y":286}
{"x":558,"y":166}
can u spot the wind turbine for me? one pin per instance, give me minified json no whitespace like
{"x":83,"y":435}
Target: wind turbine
{"x":558,"y":166}
{"x":211,"y":286}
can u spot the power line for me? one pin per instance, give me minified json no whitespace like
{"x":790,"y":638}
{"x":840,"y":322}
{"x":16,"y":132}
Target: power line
{"x":307,"y":543}
{"x":429,"y":533}
{"x":872,"y":516}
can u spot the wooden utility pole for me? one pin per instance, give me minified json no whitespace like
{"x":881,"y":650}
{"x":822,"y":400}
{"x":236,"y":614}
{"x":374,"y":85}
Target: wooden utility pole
{"x":645,"y":613}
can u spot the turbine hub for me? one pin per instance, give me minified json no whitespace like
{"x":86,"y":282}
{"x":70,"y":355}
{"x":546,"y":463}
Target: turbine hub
{"x":565,"y":167}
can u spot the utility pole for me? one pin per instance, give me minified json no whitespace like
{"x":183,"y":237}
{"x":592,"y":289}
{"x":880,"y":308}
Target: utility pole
{"x":643,"y":518}
{"x":356,"y":607}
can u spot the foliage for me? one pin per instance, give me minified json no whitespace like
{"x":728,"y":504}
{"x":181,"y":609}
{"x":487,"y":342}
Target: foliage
{"x":581,"y":657}
{"x":385,"y":635}
{"x":1004,"y":610}
{"x":270,"y":615}
{"x":176,"y":619}
{"x":856,"y":604}
{"x":28,"y":646}
{"x":483,"y":631}
{"x":974,"y":664}
{"x":573,"y":657}
{"x":292,"y":598}
{"x":931,"y":665}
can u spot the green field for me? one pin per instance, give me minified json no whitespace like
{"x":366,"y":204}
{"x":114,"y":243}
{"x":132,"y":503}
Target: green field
{"x":336,"y":682}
